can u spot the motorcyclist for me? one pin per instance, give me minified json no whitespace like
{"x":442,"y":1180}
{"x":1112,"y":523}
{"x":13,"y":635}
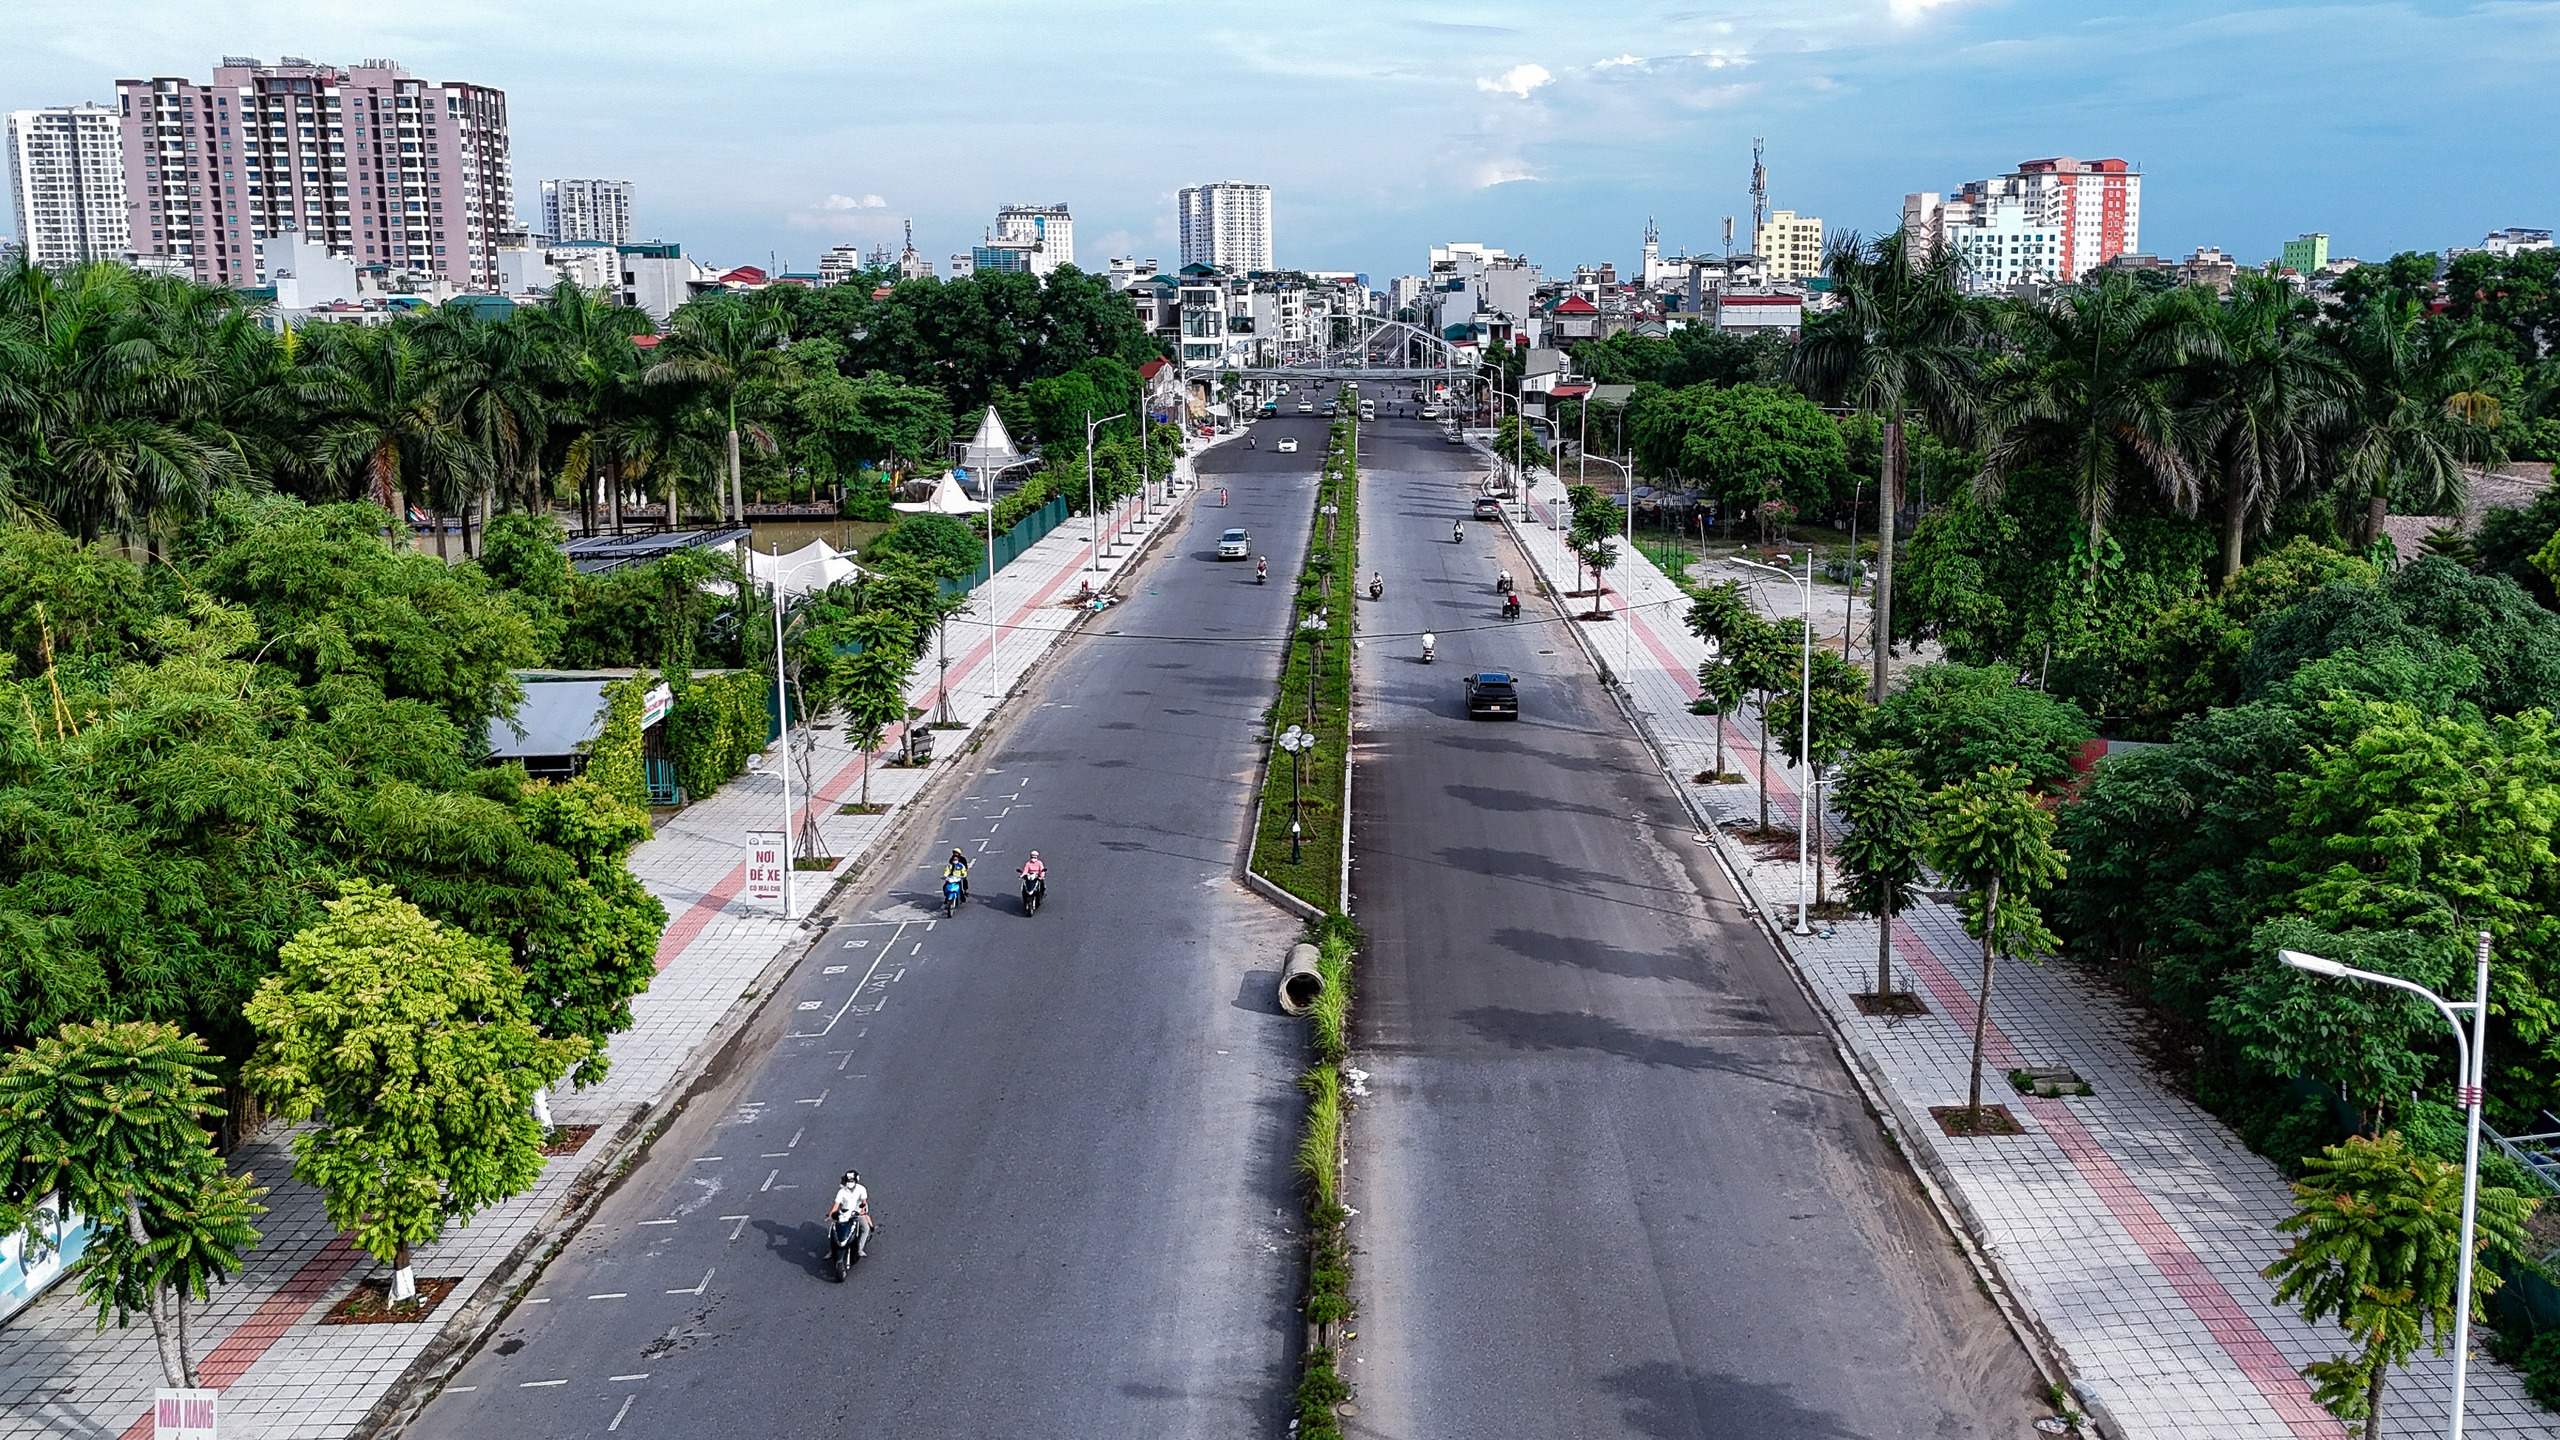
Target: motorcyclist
{"x":1032,"y":869}
{"x":1511,"y":606}
{"x":1429,"y":643}
{"x":852,"y":1208}
{"x":1377,"y":585}
{"x":1261,"y":568}
{"x":1504,"y":584}
{"x":1457,"y":532}
{"x":957,"y":868}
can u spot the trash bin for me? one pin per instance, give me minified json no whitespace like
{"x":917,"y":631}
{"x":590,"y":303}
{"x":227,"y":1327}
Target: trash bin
{"x":919,"y":744}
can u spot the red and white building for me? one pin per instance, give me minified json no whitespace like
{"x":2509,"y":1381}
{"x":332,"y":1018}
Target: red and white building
{"x":2052,"y":220}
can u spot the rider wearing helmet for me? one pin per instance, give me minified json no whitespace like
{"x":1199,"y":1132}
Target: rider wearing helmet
{"x":853,"y":1206}
{"x":957,"y":869}
{"x":1032,"y":869}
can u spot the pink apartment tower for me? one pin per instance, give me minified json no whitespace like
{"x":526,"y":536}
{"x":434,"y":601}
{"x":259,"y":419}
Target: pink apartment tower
{"x":383,"y":168}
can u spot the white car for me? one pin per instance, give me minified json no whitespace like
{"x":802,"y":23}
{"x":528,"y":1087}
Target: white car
{"x":1234,"y":545}
{"x":1430,"y":412}
{"x":1288,"y":445}
{"x":1306,"y":407}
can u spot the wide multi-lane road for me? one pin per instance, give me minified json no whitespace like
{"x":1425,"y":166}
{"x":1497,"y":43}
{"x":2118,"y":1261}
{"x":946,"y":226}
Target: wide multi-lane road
{"x":1612,"y":1179}
{"x":1076,"y":1125}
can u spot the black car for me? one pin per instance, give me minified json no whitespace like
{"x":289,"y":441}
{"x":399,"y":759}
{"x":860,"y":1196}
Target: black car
{"x":1491,"y":695}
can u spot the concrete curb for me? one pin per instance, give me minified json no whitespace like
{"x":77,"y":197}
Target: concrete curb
{"x":1962,"y":1225}
{"x":495,"y":1298}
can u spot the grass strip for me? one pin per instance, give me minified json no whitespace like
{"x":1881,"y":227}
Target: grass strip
{"x":1321,"y":1386}
{"x":1315,"y":695}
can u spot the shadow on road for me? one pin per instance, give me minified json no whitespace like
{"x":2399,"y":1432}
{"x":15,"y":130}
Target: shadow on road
{"x":1679,"y":1402}
{"x":1571,"y":1030}
{"x":805,"y":1244}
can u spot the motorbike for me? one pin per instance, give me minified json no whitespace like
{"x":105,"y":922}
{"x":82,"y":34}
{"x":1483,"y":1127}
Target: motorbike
{"x":1458,"y":534}
{"x":1503,"y":586}
{"x":1510,"y":607}
{"x":845,"y":1245}
{"x":954,"y":889}
{"x":1035,"y":888}
{"x":1377,"y":588}
{"x":1427,"y":645}
{"x":1261,"y":571}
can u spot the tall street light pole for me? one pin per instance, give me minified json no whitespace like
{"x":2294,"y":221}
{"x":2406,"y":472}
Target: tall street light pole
{"x":1804,"y":751}
{"x":782,"y":713}
{"x":2471,"y":1059}
{"x":1627,"y":643}
{"x":1092,"y":511}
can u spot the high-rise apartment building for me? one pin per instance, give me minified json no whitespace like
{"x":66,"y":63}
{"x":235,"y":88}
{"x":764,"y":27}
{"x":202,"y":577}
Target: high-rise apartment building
{"x":587,"y":210}
{"x":1226,"y":224}
{"x":1044,"y":234}
{"x":2089,"y":210}
{"x":1790,"y":245}
{"x":380,"y":167}
{"x":66,"y":184}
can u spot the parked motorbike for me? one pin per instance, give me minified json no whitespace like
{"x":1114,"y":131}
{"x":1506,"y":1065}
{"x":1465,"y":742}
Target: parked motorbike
{"x":1035,"y":889}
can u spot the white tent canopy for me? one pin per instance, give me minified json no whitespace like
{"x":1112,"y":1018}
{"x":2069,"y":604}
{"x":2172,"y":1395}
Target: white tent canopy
{"x":948,"y":497}
{"x":805,"y":571}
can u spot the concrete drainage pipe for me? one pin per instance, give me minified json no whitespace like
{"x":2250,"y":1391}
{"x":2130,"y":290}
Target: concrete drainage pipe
{"x":1301,"y":983}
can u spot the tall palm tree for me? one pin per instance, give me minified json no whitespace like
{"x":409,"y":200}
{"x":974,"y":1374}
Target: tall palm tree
{"x":2413,"y":424}
{"x":490,"y":376}
{"x":2091,"y":384}
{"x":2260,"y":410}
{"x":383,"y":423}
{"x":1899,"y":343}
{"x":592,"y":370}
{"x":95,"y":398}
{"x":720,"y":347}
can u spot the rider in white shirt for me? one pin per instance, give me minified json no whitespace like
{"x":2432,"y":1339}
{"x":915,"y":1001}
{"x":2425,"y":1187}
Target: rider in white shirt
{"x":853,"y":1200}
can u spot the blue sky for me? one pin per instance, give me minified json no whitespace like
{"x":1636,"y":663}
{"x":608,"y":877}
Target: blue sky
{"x":760,"y":126}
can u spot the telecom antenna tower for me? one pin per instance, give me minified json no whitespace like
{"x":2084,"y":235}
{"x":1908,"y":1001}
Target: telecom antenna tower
{"x":1759,"y":193}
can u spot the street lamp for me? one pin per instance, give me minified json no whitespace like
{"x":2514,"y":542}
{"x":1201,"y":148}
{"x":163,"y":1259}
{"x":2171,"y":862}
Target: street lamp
{"x":1093,"y":513}
{"x":1297,"y":742}
{"x":2471,"y":1059}
{"x":1804,"y":712}
{"x":1627,"y":648}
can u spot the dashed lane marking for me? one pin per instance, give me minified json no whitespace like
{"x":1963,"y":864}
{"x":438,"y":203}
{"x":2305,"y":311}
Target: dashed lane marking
{"x":616,"y":1423}
{"x":738,"y":1229}
{"x":538,"y":1384}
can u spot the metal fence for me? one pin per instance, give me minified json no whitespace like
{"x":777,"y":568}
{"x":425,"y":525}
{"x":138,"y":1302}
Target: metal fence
{"x":1026,"y":532}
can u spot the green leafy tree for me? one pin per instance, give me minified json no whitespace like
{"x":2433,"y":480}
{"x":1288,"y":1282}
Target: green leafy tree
{"x":720,"y":347}
{"x":2405,"y":442}
{"x":1593,"y":537}
{"x":1840,"y":718}
{"x":940,"y":545}
{"x":1899,"y":343}
{"x":107,"y":1122}
{"x":1750,"y":444}
{"x":1722,"y":616}
{"x":2377,"y":1240}
{"x":1767,"y":658}
{"x":1881,"y":856}
{"x":1989,"y":836}
{"x":875,"y":684}
{"x":408,"y":1045}
{"x":1958,"y":721}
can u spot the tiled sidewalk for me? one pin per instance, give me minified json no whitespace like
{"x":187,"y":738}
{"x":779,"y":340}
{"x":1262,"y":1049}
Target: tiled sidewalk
{"x":2130,"y":1225}
{"x":283,"y":1375}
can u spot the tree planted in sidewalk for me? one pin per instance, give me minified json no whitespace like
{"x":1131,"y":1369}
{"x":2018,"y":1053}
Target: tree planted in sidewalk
{"x":1765,"y":657}
{"x":1988,"y":835}
{"x":874,"y":695}
{"x":1720,"y":615}
{"x":1881,"y":856}
{"x":1840,"y":716}
{"x":2377,"y":1239}
{"x":108,"y":1122}
{"x":409,"y":1046}
{"x":1593,"y":536}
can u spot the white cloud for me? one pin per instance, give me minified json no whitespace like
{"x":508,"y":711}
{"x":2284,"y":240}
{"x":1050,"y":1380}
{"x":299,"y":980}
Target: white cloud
{"x":1910,"y":10}
{"x":1518,"y":80}
{"x":1505,"y":171}
{"x":853,"y":202}
{"x":1616,"y":60}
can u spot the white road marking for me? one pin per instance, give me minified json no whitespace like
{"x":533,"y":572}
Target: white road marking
{"x":643,"y":1375}
{"x":919,"y":948}
{"x":612,"y":1295}
{"x":707,"y":1159}
{"x":625,"y":1410}
{"x":538,"y":1384}
{"x":768,"y":1182}
{"x":811,"y":1004}
{"x":784,"y":1154}
{"x":657,"y":1222}
{"x":460,"y":1389}
{"x":545,"y":1300}
{"x":834,"y":970}
{"x":821,"y":1100}
{"x":794,"y":1143}
{"x":697,"y":1289}
{"x":829,"y":1027}
{"x":737,"y":1229}
{"x":994,"y":826}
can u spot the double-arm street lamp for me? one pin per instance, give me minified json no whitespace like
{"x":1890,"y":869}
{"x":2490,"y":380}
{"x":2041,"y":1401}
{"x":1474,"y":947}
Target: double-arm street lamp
{"x":1804,"y":711}
{"x":2471,"y":1061}
{"x":782,"y":714}
{"x":1297,"y":742}
{"x":1627,"y":648}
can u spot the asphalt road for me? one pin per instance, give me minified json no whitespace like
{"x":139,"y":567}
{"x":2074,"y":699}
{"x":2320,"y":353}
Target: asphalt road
{"x":1612,"y":1179}
{"x":1076,"y":1125}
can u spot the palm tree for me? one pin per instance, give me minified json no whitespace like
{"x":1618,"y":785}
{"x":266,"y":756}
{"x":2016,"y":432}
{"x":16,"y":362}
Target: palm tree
{"x":721,"y":346}
{"x":2091,"y":384}
{"x":592,"y":370}
{"x":2261,"y":408}
{"x":1899,"y":343}
{"x":95,"y":393}
{"x":383,"y":422}
{"x":2413,"y":423}
{"x":489,"y":373}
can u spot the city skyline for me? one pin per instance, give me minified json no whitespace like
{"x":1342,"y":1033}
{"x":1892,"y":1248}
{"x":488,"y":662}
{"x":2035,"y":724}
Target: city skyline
{"x":1511,"y":126}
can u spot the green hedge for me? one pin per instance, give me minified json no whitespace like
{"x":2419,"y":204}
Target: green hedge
{"x":1329,"y":584}
{"x":719,"y":721}
{"x":615,"y":758}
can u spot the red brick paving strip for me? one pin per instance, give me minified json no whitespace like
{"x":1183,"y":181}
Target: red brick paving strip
{"x":253,"y":1337}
